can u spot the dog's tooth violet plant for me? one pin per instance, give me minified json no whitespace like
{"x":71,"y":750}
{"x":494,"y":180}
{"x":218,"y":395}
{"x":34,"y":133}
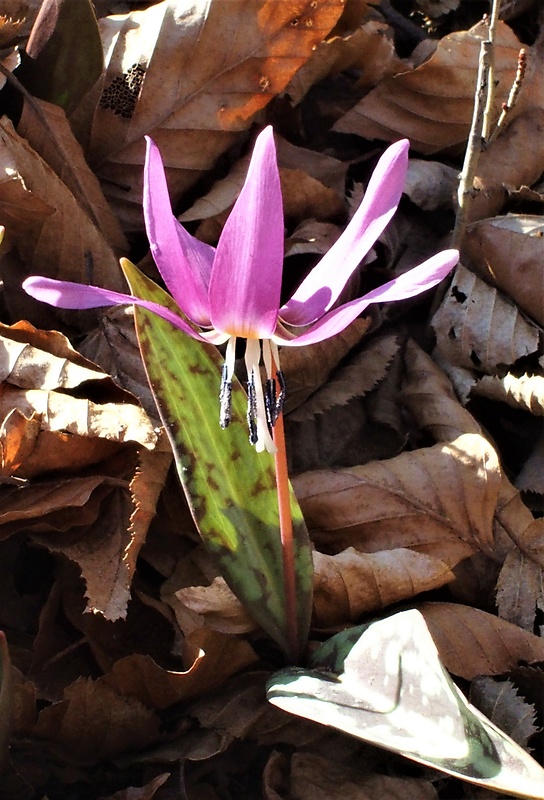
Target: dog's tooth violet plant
{"x":233,"y":291}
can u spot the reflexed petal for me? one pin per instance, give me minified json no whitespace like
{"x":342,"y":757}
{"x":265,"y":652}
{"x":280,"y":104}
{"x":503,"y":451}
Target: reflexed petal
{"x":64,"y":294}
{"x":320,"y":290}
{"x":246,"y":277}
{"x":184,"y":262}
{"x":411,"y":283}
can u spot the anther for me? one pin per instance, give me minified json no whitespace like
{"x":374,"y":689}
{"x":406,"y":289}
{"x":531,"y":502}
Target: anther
{"x":225,"y":398}
{"x":273,"y":400}
{"x":252,"y":410}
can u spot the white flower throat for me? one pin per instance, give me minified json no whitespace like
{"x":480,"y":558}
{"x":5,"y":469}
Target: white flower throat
{"x":263,"y":405}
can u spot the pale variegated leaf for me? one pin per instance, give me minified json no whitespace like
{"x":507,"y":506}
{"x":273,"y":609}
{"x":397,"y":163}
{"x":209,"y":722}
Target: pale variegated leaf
{"x":384,"y":683}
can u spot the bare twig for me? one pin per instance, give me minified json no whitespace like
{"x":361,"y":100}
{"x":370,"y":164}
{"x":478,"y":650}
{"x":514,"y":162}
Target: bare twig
{"x":512,"y":97}
{"x":481,"y":122}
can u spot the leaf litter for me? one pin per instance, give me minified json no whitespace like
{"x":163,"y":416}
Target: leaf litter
{"x":415,"y":448}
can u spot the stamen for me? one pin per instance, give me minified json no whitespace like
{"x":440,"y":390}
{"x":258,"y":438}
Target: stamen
{"x":273,"y":400}
{"x":256,"y":403}
{"x":225,"y":398}
{"x":225,"y":391}
{"x":252,"y":410}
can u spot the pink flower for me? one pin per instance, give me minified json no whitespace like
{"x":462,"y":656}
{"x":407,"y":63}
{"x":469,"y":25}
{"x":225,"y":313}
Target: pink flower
{"x":234,"y":290}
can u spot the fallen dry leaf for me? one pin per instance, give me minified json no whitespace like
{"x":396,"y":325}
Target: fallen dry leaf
{"x":472,"y":642}
{"x":57,"y":239}
{"x":234,"y":59}
{"x":350,"y":584}
{"x":507,"y":252}
{"x":47,"y":131}
{"x":508,"y":164}
{"x":94,"y":723}
{"x":439,"y":500}
{"x":214,"y":657}
{"x":320,"y":778}
{"x":429,"y":396}
{"x":360,"y":375}
{"x":477,"y":330}
{"x":432,"y":103}
{"x":500,"y":702}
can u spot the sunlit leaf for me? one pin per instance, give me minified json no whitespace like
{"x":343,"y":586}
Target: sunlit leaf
{"x":383,"y":682}
{"x":230,"y":487}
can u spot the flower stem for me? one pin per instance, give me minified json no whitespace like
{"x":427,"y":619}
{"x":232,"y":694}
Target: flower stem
{"x":287,"y":544}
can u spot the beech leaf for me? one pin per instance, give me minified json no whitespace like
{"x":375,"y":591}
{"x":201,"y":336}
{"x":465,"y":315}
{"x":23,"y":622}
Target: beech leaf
{"x":234,"y":58}
{"x":432,"y":103}
{"x":440,"y":500}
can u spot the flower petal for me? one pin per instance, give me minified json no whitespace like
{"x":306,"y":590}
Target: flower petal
{"x":246,"y":277}
{"x":184,"y":262}
{"x":411,"y":283}
{"x":320,"y":290}
{"x":64,"y":294}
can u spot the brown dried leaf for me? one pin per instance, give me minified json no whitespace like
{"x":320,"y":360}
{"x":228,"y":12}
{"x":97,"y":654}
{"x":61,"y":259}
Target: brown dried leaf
{"x":100,"y":551}
{"x":531,"y":476}
{"x":350,"y":584}
{"x":41,"y":501}
{"x":211,"y":658}
{"x":525,"y":392}
{"x":145,"y":489}
{"x":63,"y":244}
{"x":477,"y":328}
{"x":34,"y":359}
{"x":233,"y":58}
{"x":214,"y":606}
{"x":48,"y":132}
{"x":312,"y":237}
{"x":73,"y":432}
{"x":359,"y":376}
{"x":432,"y":104}
{"x":430,"y":398}
{"x":439,"y":500}
{"x":146,"y":792}
{"x":508,"y":164}
{"x":93,"y":723}
{"x":520,"y":589}
{"x":307,"y":368}
{"x":500,"y":702}
{"x":114,"y":347}
{"x":369,"y":49}
{"x":315,"y":777}
{"x":508,"y":252}
{"x":520,"y":586}
{"x":471,"y":642}
{"x":430,"y":184}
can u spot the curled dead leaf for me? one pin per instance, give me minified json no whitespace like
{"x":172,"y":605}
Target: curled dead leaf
{"x":350,"y":584}
{"x":508,"y":252}
{"x":472,"y":642}
{"x":435,"y":500}
{"x":227,"y":78}
{"x":432,"y":104}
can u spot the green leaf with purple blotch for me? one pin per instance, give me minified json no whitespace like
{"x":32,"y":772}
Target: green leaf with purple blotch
{"x":230,"y":487}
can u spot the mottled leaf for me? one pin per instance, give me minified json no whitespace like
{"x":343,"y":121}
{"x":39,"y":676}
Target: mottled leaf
{"x":230,"y":487}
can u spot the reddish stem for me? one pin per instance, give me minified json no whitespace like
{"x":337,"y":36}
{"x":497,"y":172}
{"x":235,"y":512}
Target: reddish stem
{"x":287,"y":544}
